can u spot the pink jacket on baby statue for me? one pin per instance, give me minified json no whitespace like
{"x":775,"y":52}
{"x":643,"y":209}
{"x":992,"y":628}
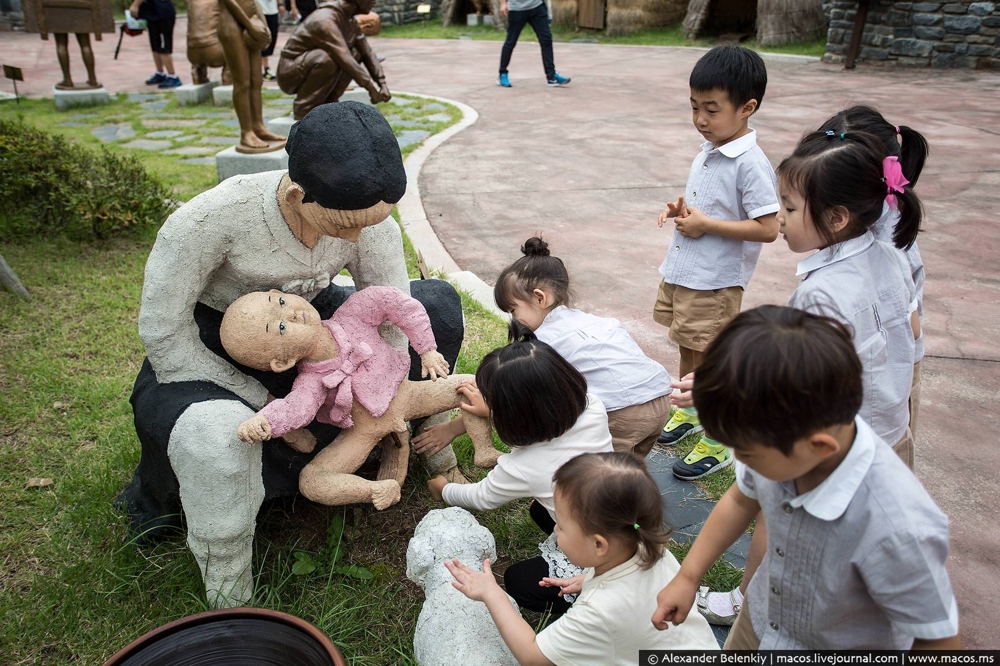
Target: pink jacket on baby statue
{"x":366,"y":369}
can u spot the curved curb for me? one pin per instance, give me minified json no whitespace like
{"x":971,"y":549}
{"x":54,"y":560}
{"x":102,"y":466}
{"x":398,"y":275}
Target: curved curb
{"x":413,"y":217}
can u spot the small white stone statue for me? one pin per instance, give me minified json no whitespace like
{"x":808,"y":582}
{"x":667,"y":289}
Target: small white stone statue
{"x":452,"y":630}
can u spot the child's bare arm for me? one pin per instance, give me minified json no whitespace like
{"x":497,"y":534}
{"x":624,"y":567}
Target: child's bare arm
{"x":730,"y":518}
{"x":763,"y":229}
{"x":514,"y":629}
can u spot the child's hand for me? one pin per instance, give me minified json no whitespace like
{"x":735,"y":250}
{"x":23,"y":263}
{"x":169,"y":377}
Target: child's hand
{"x":254,"y":429}
{"x":674,"y":602}
{"x":300,"y":439}
{"x":476,"y":585}
{"x":673,"y":209}
{"x":436,"y":487}
{"x":567,"y":585}
{"x":436,"y":437}
{"x":477,"y":406}
{"x":692,"y":225}
{"x":433,"y":364}
{"x":683,"y":397}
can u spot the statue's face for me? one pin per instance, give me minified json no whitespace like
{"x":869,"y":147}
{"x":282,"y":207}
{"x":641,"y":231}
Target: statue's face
{"x":267,"y":326}
{"x":343,"y":224}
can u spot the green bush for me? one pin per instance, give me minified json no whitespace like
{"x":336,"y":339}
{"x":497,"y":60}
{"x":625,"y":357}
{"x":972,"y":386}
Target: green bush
{"x":53,"y":186}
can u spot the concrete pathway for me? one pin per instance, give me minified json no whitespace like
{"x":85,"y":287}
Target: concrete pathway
{"x":590,"y":166}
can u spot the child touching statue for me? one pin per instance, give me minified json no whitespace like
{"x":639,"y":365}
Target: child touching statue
{"x":348,"y":377}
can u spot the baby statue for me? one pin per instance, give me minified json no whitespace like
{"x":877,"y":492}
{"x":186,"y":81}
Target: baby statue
{"x":348,"y":377}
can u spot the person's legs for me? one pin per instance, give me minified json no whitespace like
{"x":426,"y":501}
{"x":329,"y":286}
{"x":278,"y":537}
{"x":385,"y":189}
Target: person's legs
{"x":541,"y":516}
{"x":634,"y":429}
{"x":221,"y":490}
{"x":272,"y":25}
{"x":515,"y":24}
{"x":62,"y":53}
{"x":87,"y":52}
{"x":521,"y":582}
{"x":742,"y":635}
{"x":310,"y":77}
{"x":539,"y":19}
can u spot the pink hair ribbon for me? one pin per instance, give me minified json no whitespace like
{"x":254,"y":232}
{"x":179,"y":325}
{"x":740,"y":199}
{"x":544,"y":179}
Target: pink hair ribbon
{"x":894,"y":179}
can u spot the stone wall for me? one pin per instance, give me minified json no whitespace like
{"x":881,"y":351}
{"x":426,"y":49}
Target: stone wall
{"x":398,"y":12}
{"x":920,"y":34}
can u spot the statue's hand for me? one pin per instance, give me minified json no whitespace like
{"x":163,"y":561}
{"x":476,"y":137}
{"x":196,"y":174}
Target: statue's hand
{"x":301,"y":440}
{"x":256,"y":36}
{"x":433,"y":364}
{"x":375,"y":94}
{"x":254,"y":429}
{"x":384,"y":89}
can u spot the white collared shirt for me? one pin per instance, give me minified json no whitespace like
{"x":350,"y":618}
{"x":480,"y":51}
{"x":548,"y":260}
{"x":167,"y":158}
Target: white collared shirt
{"x":610,"y":621}
{"x":857,"y":562}
{"x":614,"y":366}
{"x":883,"y":229}
{"x":732,"y":182}
{"x":866,"y":284}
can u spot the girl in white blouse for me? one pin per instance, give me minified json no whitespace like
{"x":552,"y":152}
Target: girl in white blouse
{"x":610,"y":522}
{"x":634,"y":388}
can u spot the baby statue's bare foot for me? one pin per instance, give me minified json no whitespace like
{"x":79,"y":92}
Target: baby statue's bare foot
{"x":385,"y":493}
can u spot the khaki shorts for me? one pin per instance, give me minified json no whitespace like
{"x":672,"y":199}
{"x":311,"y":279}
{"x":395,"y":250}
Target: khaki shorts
{"x":695,"y":317}
{"x":904,"y":449}
{"x":634,"y":429}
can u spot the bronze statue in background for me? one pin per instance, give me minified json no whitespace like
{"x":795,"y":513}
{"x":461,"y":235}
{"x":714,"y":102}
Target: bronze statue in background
{"x":325,"y":53}
{"x":243,"y":33}
{"x":203,"y":47}
{"x":62,"y":17}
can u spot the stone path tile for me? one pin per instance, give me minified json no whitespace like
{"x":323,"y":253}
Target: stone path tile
{"x":214,"y":115}
{"x":165,"y":123}
{"x":109,"y":133}
{"x":217,"y":140}
{"x":191,"y":150}
{"x":155,"y":106}
{"x":146,"y":144}
{"x":164,"y":134}
{"x":437,"y":117}
{"x":144,"y":97}
{"x":73,"y":124}
{"x":408,"y":137}
{"x":199,"y":160}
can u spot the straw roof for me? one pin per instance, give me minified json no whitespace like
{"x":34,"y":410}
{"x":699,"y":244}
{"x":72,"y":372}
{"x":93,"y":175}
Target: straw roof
{"x":775,"y":21}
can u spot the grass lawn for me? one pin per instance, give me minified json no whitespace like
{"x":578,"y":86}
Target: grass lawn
{"x":666,"y":36}
{"x":73,"y":589}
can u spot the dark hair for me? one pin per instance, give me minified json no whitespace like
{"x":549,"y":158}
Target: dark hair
{"x":832,"y":170}
{"x":610,"y":494}
{"x":775,"y":375}
{"x":345,"y":157}
{"x":533,"y":393}
{"x":912,"y":154}
{"x":735,"y":69}
{"x":537,"y":269}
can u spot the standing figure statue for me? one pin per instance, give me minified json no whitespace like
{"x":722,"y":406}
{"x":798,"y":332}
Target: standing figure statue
{"x":325,"y":53}
{"x":62,"y":17}
{"x":243,"y":33}
{"x":203,"y":47}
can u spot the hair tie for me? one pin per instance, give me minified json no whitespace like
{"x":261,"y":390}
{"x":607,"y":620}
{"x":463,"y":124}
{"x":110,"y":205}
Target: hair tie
{"x":894,"y":179}
{"x":897,"y":129}
{"x":833,"y":135}
{"x":636,"y":526}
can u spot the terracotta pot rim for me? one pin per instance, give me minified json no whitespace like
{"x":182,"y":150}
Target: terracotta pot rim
{"x":229,"y":613}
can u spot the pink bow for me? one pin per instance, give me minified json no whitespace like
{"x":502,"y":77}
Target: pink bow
{"x":894,"y":179}
{"x":340,"y":413}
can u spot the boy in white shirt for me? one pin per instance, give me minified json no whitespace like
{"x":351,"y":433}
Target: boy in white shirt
{"x":727,"y":212}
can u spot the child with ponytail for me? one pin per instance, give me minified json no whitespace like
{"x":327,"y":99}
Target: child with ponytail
{"x":635,"y":389}
{"x":609,"y":521}
{"x":911,"y":148}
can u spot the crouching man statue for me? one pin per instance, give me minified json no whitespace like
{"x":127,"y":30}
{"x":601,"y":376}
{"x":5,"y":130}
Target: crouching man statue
{"x":325,"y":53}
{"x":292,"y":231}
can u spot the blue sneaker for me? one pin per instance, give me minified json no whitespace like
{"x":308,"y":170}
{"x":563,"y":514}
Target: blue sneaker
{"x":170,"y":82}
{"x":156,"y":79}
{"x":503,"y":80}
{"x":558,"y":80}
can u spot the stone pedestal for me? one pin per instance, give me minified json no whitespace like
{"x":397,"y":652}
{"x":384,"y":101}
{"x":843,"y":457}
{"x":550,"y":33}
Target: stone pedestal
{"x":222,"y":95}
{"x":196,"y":93}
{"x":230,"y":163}
{"x":68,"y":99}
{"x":282,"y":125}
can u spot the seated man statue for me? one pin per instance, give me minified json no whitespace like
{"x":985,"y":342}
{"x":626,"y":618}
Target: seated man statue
{"x":290,"y":231}
{"x":325,"y":53}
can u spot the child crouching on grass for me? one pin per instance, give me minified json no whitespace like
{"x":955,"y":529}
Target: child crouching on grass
{"x":856,"y":547}
{"x":609,"y":520}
